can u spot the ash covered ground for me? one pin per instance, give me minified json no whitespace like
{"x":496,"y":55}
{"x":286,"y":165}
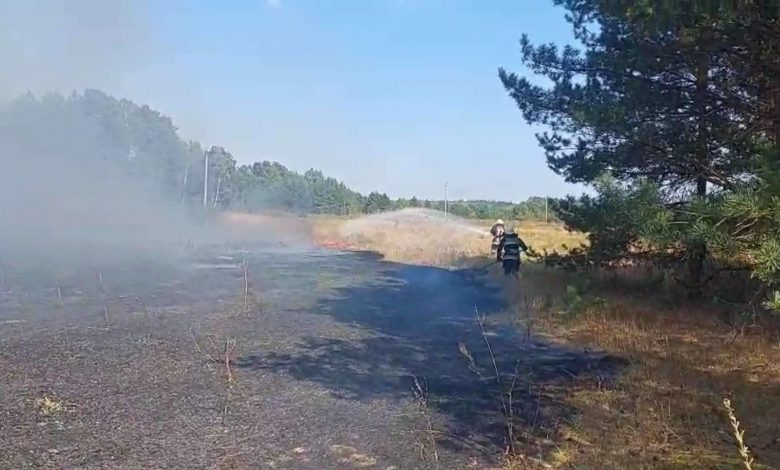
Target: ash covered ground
{"x":262,"y":358}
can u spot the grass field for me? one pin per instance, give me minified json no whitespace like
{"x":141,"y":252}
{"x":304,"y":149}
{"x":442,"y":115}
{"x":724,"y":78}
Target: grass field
{"x":666,"y":410}
{"x":428,"y":241}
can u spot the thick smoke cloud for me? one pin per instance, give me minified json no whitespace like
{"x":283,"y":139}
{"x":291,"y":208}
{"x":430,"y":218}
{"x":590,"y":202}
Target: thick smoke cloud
{"x":64,"y":181}
{"x":69,"y":177}
{"x":62,"y":191}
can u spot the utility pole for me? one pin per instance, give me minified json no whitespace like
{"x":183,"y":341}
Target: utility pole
{"x":545,"y":210}
{"x":184,"y":182}
{"x":206,"y":180}
{"x":445,"y":200}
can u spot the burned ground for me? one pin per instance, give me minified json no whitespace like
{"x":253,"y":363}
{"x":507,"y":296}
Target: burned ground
{"x":173,"y":365}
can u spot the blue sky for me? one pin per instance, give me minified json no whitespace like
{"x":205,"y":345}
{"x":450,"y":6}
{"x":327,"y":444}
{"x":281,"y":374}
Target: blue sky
{"x":392,"y":95}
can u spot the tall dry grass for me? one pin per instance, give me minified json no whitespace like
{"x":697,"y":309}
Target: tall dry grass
{"x":427,"y":241}
{"x":665,"y":410}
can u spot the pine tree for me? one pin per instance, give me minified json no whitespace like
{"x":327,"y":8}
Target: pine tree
{"x":651,"y":97}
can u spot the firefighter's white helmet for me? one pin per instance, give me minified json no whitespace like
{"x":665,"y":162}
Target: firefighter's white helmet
{"x":500,"y":222}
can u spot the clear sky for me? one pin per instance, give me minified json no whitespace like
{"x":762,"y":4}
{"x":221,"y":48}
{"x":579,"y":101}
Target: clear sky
{"x":389,"y":95}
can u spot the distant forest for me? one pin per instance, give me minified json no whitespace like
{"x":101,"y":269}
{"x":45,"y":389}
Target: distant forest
{"x":145,"y":144}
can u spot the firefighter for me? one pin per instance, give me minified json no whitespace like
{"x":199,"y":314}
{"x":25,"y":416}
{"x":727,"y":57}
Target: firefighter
{"x":509,"y":249}
{"x":497,"y":230}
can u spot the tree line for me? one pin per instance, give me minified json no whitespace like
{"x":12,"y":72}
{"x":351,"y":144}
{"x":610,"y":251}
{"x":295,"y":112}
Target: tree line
{"x":534,"y":208}
{"x":671,"y":110}
{"x":144,"y":145}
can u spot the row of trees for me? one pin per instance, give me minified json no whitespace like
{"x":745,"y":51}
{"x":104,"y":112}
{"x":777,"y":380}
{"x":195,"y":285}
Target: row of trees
{"x":264,"y":185}
{"x":89,"y":135}
{"x":267,"y":185}
{"x":534,"y":208}
{"x":672,"y":110}
{"x":92,"y":131}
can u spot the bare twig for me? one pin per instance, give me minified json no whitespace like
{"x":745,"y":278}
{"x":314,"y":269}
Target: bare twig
{"x":481,"y":321}
{"x":529,"y":319}
{"x":214,"y":347}
{"x":536,"y":415}
{"x":246,"y":286}
{"x":230,"y":344}
{"x":509,"y":412}
{"x":506,"y":395}
{"x":105,"y":300}
{"x":102,"y":284}
{"x":198,"y":348}
{"x":464,"y":351}
{"x":221,"y":356}
{"x":420,"y":391}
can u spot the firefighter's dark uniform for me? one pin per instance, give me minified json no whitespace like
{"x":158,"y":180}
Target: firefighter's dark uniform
{"x":509,"y":252}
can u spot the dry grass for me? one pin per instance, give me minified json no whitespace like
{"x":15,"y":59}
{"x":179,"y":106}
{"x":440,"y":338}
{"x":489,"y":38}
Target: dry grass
{"x":666,"y":408}
{"x":739,"y":435}
{"x":427,"y":241}
{"x":48,"y":406}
